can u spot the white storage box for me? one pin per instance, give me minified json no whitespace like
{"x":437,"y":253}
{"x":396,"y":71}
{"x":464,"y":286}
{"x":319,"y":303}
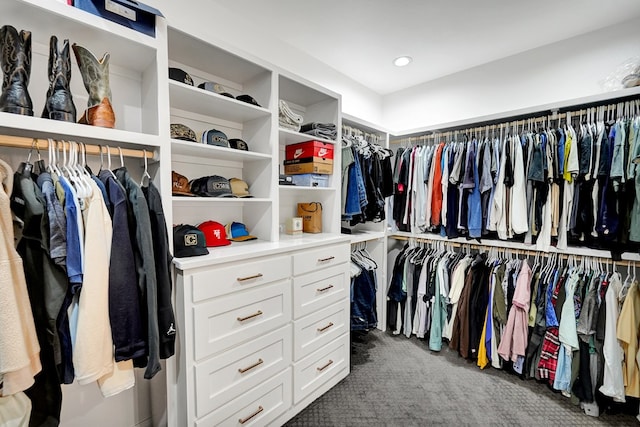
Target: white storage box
{"x":311,"y":180}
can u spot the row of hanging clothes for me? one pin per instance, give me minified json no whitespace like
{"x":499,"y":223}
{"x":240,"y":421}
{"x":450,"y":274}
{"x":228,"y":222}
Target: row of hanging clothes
{"x":86,"y":291}
{"x":364,"y":287}
{"x":367,"y":177}
{"x":571,"y":323}
{"x":573,"y":183}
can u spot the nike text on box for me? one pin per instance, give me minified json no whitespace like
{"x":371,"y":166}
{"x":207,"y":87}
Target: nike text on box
{"x":308,"y":149}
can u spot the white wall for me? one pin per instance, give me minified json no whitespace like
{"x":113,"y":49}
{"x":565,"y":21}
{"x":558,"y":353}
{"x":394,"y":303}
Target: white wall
{"x":219,"y":26}
{"x":561,"y":71}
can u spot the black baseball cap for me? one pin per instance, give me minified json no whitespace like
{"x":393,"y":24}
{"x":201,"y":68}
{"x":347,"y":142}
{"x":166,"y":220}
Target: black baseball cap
{"x":238,"y":144}
{"x":180,"y":75}
{"x":188,"y":241}
{"x":212,"y":186}
{"x":248,"y":99}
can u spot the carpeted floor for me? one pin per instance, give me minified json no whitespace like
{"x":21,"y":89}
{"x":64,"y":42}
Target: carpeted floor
{"x":396,"y":381}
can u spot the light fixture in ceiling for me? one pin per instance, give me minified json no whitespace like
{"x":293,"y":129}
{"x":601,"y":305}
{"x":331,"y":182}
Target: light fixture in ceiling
{"x":401,"y":61}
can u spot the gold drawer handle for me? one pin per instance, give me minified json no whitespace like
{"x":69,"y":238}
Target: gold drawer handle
{"x":324,"y":289}
{"x":322,"y":368}
{"x":326,"y":259}
{"x":243,"y":279}
{"x":244,"y":420}
{"x":248,"y":368}
{"x":325,"y":328}
{"x":256,"y":314}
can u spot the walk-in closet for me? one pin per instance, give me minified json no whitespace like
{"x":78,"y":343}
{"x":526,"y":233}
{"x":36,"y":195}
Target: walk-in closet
{"x":361,"y":213}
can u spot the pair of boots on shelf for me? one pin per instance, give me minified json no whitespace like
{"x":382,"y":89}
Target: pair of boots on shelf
{"x":15,"y":61}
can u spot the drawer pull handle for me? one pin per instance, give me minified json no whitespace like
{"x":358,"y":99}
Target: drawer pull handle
{"x":248,"y":368}
{"x":326,"y":259}
{"x":322,"y":368}
{"x":324,"y":289}
{"x":325,"y":328}
{"x":256,"y":314}
{"x":244,"y":420}
{"x":243,"y":279}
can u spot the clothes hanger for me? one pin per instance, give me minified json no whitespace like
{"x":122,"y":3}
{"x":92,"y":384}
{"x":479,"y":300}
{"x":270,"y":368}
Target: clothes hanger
{"x":145,"y":173}
{"x":109,"y":163}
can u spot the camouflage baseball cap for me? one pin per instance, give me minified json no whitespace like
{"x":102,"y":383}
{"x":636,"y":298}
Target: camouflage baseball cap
{"x":180,"y":131}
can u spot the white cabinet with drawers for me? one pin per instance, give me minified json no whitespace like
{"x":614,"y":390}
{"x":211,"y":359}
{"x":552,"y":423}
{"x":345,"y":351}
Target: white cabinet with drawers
{"x":263,"y":332}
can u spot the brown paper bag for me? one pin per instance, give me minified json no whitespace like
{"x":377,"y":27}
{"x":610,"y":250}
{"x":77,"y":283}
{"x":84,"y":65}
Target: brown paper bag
{"x":311,"y":214}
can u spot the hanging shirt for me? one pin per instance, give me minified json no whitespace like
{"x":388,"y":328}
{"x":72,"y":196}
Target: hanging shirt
{"x":514,"y":338}
{"x":627,"y":333}
{"x":613,"y":383}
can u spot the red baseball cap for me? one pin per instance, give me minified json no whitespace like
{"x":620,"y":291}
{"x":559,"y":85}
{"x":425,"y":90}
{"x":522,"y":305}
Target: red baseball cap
{"x":214,"y":233}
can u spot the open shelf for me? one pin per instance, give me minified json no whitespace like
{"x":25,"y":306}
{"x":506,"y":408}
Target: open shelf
{"x":197,"y":149}
{"x":302,"y":189}
{"x":185,"y":201}
{"x":288,"y":136}
{"x":190,"y":98}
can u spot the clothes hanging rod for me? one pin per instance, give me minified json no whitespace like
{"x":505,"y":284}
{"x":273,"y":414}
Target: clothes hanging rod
{"x":43,"y":145}
{"x":529,"y":252}
{"x":554,"y":114}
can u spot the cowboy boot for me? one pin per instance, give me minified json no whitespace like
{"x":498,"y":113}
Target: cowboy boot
{"x":95,"y":75}
{"x":16,"y":66}
{"x":59,"y":104}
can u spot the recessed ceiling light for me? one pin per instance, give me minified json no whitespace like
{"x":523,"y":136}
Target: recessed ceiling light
{"x":401,"y":61}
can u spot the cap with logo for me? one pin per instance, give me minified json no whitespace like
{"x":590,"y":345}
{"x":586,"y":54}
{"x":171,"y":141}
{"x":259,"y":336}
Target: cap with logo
{"x":215,"y":88}
{"x":238,"y":232}
{"x":215,"y":137}
{"x":214,"y":233}
{"x":188,"y":241}
{"x":211,"y":186}
{"x":239,"y":188}
{"x":180,"y":185}
{"x":180,"y":75}
{"x":185,"y":133}
{"x":238,"y":144}
{"x":248,"y":99}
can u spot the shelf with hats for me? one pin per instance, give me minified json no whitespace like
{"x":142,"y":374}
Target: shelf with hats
{"x":189,"y":148}
{"x":186,"y":97}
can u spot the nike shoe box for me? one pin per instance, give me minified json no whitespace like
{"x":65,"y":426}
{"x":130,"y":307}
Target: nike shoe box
{"x":308,"y":149}
{"x":311,"y":180}
{"x":316,"y":165}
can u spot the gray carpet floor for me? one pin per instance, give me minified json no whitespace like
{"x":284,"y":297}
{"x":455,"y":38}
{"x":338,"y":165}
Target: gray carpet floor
{"x":396,"y":381}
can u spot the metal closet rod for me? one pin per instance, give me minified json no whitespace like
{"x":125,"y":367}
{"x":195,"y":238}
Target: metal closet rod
{"x":528,"y":252}
{"x":43,"y":144}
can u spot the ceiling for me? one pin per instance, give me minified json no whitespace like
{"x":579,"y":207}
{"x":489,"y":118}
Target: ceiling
{"x":360,"y":38}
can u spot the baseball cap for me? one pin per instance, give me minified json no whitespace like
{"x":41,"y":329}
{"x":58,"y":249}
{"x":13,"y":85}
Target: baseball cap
{"x":188,"y":241}
{"x":239,"y":188}
{"x":180,"y":75}
{"x":248,"y":99}
{"x":214,"y":233}
{"x":215,"y":88}
{"x":211,"y":186}
{"x":180,"y":185}
{"x":215,"y":137}
{"x":185,"y":133}
{"x":238,"y":232}
{"x":238,"y":144}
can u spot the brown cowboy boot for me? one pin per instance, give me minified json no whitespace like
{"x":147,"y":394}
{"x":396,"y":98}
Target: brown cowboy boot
{"x":95,"y":75}
{"x":59,"y":103}
{"x":16,"y":66}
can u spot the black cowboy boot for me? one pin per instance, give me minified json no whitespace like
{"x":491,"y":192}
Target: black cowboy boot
{"x":59,"y":104}
{"x":95,"y":75}
{"x":16,"y":66}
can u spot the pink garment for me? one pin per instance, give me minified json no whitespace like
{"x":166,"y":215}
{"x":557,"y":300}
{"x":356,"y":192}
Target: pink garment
{"x":514,"y":337}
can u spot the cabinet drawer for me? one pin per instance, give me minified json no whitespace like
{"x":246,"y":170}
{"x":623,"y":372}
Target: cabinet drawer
{"x":223,"y":322}
{"x":316,"y":259}
{"x":319,"y":289}
{"x":229,"y":375}
{"x":313,"y":371}
{"x":320,"y":328}
{"x":258,"y":407}
{"x":226,"y":279}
